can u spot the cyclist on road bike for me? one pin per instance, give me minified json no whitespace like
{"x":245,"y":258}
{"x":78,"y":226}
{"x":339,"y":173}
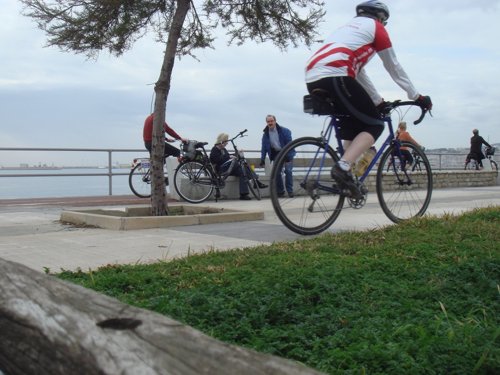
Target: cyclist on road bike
{"x":476,"y":152}
{"x":404,"y":136}
{"x":147,"y":135}
{"x":338,"y":68}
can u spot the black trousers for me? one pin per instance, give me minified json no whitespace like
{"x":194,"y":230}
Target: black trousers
{"x":169,"y":149}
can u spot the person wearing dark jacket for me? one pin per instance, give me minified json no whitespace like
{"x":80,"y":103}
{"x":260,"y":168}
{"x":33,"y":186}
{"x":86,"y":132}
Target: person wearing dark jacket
{"x":476,"y":152}
{"x":275,"y":137}
{"x":226,"y":163}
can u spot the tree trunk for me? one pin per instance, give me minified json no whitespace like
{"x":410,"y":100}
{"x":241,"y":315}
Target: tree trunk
{"x":159,"y":206}
{"x":52,"y":327}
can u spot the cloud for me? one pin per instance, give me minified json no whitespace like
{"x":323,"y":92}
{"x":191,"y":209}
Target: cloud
{"x":55,"y":99}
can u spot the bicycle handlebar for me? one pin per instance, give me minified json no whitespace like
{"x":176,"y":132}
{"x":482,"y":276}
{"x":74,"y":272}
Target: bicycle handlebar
{"x":389,"y":106}
{"x":240,"y":134}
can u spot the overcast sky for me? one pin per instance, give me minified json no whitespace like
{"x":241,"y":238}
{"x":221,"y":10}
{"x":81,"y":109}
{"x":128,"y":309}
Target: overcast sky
{"x":49,"y":98}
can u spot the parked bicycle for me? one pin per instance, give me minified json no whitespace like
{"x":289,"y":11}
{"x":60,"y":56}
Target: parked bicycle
{"x":139,"y":178}
{"x":196,"y":179}
{"x":473,"y":164}
{"x":318,"y":201}
{"x":416,"y":164}
{"x":417,"y":161}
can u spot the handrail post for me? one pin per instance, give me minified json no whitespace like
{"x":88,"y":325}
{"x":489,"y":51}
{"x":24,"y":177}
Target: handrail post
{"x":110,"y":173}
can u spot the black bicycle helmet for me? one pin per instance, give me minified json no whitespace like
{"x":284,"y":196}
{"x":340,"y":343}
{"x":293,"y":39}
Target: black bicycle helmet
{"x":375,"y":9}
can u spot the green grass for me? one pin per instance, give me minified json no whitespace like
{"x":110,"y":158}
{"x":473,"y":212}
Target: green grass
{"x":422,"y":297}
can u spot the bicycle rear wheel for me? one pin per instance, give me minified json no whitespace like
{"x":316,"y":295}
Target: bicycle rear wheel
{"x":403,"y":194}
{"x":317,"y":201}
{"x":139,"y":181}
{"x":471,"y":165}
{"x":193,"y":182}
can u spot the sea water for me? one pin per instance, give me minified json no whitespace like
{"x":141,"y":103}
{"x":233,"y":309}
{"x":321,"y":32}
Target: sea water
{"x":62,"y":186}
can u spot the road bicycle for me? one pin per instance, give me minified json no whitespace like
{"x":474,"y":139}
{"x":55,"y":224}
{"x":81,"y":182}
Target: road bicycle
{"x":196,"y":179}
{"x":416,"y":164}
{"x":472,"y":164}
{"x":139,"y":178}
{"x":403,"y":193}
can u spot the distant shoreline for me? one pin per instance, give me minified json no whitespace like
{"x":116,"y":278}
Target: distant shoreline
{"x":47,"y":168}
{"x":30,"y":168}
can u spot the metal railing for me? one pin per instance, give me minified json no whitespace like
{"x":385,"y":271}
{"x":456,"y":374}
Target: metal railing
{"x":108,"y":168}
{"x":439,"y":161}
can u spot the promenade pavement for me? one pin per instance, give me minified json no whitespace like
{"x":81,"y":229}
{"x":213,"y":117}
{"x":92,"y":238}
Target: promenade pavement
{"x":31,"y":234}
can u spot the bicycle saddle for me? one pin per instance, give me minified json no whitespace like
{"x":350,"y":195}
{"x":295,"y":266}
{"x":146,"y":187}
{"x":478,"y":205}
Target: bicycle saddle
{"x":319,"y":102}
{"x":322,"y":94}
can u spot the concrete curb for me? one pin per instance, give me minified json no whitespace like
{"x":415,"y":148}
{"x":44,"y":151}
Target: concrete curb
{"x":133,"y":218}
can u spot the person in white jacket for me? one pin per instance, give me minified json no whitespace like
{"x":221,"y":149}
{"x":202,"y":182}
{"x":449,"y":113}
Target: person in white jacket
{"x":338,"y":67}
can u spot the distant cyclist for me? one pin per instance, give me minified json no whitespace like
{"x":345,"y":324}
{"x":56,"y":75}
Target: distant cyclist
{"x":338,"y":67}
{"x":404,"y":136}
{"x":476,"y":152}
{"x":147,"y":135}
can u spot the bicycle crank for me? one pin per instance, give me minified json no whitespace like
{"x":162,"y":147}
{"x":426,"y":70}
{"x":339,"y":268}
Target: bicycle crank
{"x":359,"y":202}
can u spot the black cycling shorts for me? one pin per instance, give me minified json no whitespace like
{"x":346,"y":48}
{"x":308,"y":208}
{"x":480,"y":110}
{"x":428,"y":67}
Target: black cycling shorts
{"x":169,"y":149}
{"x":350,"y":98}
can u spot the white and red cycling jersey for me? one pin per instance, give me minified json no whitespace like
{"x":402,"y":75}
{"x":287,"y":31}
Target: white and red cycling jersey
{"x":348,"y":49}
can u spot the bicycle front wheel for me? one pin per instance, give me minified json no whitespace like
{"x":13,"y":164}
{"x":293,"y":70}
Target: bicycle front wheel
{"x":139,"y":181}
{"x":494,"y":165}
{"x":403,"y":194}
{"x":193,"y":182}
{"x":316,"y":202}
{"x":253,"y":185}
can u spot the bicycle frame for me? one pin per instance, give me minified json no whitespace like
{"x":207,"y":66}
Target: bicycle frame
{"x":333,"y":127}
{"x":207,"y":164}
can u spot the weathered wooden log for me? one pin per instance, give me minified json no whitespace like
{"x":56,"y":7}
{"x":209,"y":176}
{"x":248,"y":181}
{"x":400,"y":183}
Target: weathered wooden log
{"x":48,"y":326}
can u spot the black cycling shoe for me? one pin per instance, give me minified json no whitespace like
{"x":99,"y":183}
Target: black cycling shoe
{"x":260,"y":185}
{"x":345,"y":179}
{"x":245,"y":197}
